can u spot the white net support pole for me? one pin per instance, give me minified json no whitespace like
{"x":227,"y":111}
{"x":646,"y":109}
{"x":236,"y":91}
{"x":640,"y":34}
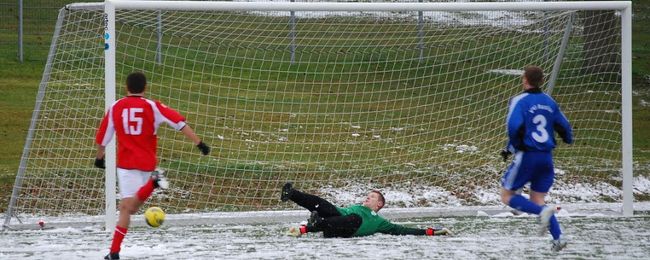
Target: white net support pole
{"x":626,"y":120}
{"x":109,"y":91}
{"x":41,"y":93}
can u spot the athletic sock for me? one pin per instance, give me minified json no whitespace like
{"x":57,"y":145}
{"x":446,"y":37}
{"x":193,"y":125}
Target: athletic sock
{"x":521,"y":203}
{"x":554,"y":227}
{"x":145,"y":191}
{"x":303,"y":229}
{"x":118,"y":236}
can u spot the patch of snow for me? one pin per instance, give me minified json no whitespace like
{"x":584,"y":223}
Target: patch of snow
{"x":582,"y":192}
{"x":402,"y":195}
{"x":482,"y":214}
{"x":641,"y":185}
{"x":643,"y":103}
{"x":504,"y":215}
{"x":513,"y":72}
{"x":461,"y":148}
{"x":487,"y":197}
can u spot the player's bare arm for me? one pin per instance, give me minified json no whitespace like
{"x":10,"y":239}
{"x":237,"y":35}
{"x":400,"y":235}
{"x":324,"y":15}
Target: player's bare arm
{"x":189,"y":132}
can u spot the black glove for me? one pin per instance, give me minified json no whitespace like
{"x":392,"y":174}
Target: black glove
{"x":205,"y":149}
{"x":505,"y":154}
{"x":100,"y":163}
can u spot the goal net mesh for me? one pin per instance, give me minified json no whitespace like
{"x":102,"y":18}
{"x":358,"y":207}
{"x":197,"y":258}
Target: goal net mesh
{"x":410,"y":103}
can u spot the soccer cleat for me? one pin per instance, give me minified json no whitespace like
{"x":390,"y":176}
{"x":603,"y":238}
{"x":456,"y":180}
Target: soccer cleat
{"x":558,"y":245}
{"x":287,"y":190}
{"x":545,"y":218}
{"x":296,"y":231}
{"x":112,"y":256}
{"x":159,"y":180}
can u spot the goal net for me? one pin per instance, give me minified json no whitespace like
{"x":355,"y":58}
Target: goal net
{"x":336,"y":98}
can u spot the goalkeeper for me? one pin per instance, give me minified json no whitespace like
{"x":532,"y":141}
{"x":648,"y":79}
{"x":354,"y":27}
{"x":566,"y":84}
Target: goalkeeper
{"x":353,"y":221}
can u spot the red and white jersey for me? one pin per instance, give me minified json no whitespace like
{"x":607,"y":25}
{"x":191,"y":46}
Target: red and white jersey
{"x":135,"y":120}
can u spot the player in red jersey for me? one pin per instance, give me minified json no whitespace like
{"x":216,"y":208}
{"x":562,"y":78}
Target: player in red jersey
{"x":135,"y":120}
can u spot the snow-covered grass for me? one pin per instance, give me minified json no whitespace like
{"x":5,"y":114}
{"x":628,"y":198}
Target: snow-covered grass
{"x":421,"y":195}
{"x":501,"y":236}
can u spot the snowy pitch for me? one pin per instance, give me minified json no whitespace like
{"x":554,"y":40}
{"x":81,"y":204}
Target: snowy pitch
{"x":484,"y":236}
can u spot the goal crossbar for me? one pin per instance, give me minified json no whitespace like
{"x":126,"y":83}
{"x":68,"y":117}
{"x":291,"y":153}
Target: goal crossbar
{"x":273,"y":6}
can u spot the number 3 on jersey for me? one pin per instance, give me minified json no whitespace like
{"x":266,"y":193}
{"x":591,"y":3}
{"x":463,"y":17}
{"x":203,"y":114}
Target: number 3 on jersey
{"x":129,"y":116}
{"x":540,"y":122}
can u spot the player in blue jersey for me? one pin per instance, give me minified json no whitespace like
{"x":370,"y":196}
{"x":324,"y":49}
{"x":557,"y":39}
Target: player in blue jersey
{"x":533,"y":117}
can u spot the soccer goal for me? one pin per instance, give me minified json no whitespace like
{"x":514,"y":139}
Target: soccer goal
{"x":339,"y":98}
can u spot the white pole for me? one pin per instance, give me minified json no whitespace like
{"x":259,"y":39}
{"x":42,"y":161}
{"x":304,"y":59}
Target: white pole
{"x":420,"y":34}
{"x":109,"y":92}
{"x":160,"y":36}
{"x":35,"y":115}
{"x":560,"y":55}
{"x":292,"y":35}
{"x":20,"y":31}
{"x":288,"y":6}
{"x":626,"y":121}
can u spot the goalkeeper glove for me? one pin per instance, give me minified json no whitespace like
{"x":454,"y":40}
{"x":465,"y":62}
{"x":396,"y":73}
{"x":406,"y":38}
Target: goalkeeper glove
{"x":438,"y":232}
{"x":505,"y":154}
{"x":100,"y":163}
{"x":205,"y":149}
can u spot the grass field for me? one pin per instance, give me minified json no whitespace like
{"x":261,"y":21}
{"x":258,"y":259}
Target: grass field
{"x":20,"y":82}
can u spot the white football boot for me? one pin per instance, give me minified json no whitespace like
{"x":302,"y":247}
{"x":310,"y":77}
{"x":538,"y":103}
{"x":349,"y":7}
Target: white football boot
{"x":159,"y":179}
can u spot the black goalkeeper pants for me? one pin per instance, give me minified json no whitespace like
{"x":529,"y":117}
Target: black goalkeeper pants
{"x":333,"y":223}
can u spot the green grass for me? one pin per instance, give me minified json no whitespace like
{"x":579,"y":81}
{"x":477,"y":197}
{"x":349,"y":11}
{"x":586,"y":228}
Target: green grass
{"x":641,"y":79}
{"x":20,"y":83}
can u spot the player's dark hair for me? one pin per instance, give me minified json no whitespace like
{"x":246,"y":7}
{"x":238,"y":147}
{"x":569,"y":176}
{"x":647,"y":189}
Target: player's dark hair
{"x":534,"y":75}
{"x":136,"y":82}
{"x":381,"y":198}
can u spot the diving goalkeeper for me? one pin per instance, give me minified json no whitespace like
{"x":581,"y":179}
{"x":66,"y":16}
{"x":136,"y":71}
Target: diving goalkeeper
{"x":353,"y":221}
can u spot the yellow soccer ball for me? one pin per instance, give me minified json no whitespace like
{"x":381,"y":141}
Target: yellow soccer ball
{"x":154,"y":216}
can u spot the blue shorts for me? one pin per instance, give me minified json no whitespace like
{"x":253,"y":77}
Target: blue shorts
{"x":533,"y":167}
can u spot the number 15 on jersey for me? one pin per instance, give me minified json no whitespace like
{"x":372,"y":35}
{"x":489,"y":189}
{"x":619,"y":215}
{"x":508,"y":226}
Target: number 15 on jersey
{"x":131,"y":121}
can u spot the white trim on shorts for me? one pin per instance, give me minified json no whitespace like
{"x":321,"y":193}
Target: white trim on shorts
{"x":130,"y":181}
{"x":514,"y":171}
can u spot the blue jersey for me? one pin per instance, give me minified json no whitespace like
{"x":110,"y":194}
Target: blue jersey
{"x":533,"y":116}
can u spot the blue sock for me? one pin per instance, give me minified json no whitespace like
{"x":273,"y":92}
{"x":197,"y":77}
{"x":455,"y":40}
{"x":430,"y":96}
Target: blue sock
{"x":554,"y":227}
{"x":520,"y":203}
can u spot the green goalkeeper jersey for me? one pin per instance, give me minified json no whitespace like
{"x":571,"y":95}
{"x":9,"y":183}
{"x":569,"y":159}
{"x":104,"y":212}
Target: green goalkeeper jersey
{"x":373,"y":223}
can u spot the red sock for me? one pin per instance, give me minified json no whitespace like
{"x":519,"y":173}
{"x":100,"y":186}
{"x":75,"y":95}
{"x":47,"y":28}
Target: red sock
{"x":145,"y":191}
{"x":303,"y":229}
{"x":118,"y":236}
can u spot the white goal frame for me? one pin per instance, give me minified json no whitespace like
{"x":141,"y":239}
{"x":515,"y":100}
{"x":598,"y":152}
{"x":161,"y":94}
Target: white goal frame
{"x":625,"y":8}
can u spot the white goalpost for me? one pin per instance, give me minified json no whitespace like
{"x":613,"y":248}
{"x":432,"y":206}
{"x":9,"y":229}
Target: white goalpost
{"x":339,"y":98}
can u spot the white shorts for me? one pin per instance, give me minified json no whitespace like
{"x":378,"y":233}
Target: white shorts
{"x":130,"y":181}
